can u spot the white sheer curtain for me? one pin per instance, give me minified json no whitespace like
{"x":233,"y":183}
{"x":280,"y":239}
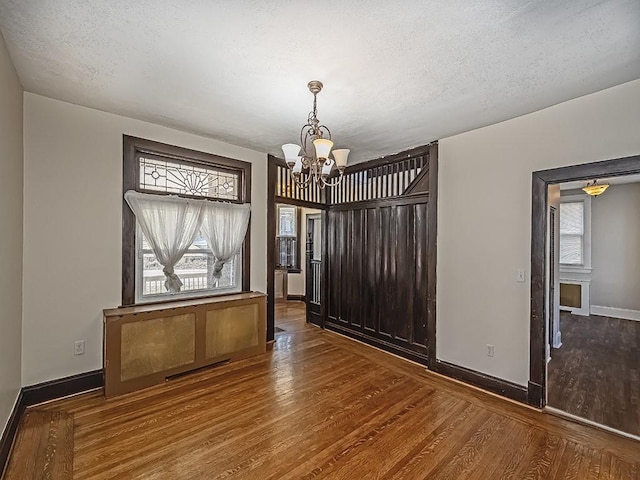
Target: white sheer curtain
{"x":224,"y":225}
{"x":170,"y":225}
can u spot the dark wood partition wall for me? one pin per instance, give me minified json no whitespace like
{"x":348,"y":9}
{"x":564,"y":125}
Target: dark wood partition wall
{"x":378,"y":274}
{"x":379,"y":235}
{"x":380,"y":271}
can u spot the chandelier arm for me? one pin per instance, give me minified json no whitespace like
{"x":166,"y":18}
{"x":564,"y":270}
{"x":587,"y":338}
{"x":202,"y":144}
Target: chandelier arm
{"x":324,"y":127}
{"x":333,"y":184}
{"x":305,"y":134}
{"x":302,"y":183}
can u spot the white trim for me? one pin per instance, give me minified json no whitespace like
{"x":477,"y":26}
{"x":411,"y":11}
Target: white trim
{"x":561,"y":413}
{"x":624,"y":313}
{"x":568,"y":269}
{"x":548,"y":350}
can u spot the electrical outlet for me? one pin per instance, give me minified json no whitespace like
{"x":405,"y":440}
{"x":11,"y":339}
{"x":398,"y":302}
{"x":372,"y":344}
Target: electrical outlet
{"x":522,"y":276}
{"x":490,"y":350}
{"x":78,"y":347}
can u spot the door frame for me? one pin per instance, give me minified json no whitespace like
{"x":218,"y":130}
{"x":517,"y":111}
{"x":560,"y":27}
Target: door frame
{"x":537,"y":385}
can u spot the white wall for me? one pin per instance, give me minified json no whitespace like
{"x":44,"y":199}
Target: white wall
{"x":72,"y":227}
{"x":296,"y":281}
{"x":11,"y":165}
{"x":484,"y":215}
{"x":615,"y":247}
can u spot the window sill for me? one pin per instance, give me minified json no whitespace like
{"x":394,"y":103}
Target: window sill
{"x":195,"y":298}
{"x":575,"y":269}
{"x":288,"y":270}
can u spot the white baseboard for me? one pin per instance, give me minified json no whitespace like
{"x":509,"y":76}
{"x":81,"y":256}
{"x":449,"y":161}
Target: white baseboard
{"x":583,"y":312}
{"x":623,"y":313}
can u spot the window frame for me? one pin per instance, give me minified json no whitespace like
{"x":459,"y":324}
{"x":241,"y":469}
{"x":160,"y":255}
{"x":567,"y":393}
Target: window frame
{"x":298,"y":217}
{"x":132,"y":148}
{"x":585,"y":267}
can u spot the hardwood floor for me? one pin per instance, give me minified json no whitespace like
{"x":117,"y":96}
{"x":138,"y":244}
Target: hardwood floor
{"x":323,"y":406}
{"x":596,"y":372}
{"x":43,"y":447}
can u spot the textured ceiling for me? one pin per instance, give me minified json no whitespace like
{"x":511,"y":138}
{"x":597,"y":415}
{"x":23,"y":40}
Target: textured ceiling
{"x":396,"y":74}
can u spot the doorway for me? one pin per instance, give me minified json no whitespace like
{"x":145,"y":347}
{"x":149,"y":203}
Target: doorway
{"x":592,"y":370}
{"x":582,"y":362}
{"x":298,"y":263}
{"x":313,"y":271}
{"x":282,"y":190}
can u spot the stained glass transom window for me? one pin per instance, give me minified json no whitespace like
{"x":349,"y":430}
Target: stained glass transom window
{"x":180,"y":178}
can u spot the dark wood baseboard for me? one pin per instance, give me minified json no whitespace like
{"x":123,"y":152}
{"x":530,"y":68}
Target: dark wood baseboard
{"x":44,"y":392}
{"x":62,"y":387}
{"x":534,"y":395}
{"x":9,"y":433}
{"x":299,"y":298}
{"x":484,"y":381}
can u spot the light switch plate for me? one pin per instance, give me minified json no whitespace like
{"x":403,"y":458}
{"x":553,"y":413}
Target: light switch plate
{"x":78,"y":347}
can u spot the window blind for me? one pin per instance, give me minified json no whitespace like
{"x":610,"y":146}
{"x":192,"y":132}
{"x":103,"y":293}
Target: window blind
{"x":572,"y":233}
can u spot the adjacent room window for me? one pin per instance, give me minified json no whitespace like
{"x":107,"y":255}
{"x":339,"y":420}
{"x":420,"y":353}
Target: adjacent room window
{"x":155,"y":168}
{"x":288,"y":239}
{"x":572,"y":233}
{"x":575,"y":233}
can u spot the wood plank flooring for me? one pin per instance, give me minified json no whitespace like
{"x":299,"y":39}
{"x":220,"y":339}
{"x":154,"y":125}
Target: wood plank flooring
{"x":43,"y":448}
{"x":596,"y":373}
{"x":323,"y":406}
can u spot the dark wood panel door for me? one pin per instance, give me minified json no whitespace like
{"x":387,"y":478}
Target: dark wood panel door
{"x":378,"y":275}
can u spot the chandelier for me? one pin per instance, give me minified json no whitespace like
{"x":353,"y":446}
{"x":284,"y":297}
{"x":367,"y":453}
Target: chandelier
{"x":594,"y":189}
{"x":312,"y":156}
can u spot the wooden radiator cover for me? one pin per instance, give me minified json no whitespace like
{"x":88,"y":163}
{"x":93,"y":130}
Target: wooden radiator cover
{"x":145,"y":344}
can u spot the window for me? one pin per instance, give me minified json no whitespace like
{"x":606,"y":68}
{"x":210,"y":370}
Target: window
{"x":195,"y":270}
{"x":151,"y":167}
{"x":572,"y":233}
{"x":575,"y":232}
{"x":288,"y":239}
{"x":180,"y":178}
{"x":287,"y":221}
